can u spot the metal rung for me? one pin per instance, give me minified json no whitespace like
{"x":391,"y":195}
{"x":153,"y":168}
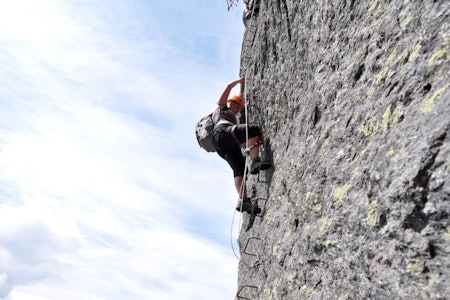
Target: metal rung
{"x":247,"y":44}
{"x":241,"y":288}
{"x":259,"y":198}
{"x":247,"y":41}
{"x":246,"y":245}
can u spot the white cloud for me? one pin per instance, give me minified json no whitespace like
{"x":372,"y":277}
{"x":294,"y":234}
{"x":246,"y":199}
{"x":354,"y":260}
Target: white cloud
{"x":52,"y":253}
{"x":104,"y":192}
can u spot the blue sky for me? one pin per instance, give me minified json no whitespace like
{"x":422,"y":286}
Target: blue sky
{"x":104,"y":192}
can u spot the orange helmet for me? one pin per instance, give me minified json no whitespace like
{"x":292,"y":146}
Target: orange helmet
{"x":236,"y":99}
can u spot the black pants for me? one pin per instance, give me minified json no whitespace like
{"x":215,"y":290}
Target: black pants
{"x":229,"y":149}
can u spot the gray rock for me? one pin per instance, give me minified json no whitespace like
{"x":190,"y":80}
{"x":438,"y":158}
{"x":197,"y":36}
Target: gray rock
{"x":354,"y":101}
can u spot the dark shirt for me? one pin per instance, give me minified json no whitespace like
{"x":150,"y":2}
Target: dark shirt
{"x":223,"y":113}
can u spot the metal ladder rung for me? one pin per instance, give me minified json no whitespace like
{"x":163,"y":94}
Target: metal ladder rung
{"x":246,"y":245}
{"x":241,"y":288}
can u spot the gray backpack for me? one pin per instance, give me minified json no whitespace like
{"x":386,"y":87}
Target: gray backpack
{"x":204,"y":132}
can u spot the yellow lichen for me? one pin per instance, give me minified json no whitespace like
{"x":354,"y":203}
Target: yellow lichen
{"x":274,"y":290}
{"x":325,"y":224}
{"x":428,"y":105}
{"x":386,"y":116}
{"x":322,"y":148}
{"x":317,"y":207}
{"x":371,"y":92}
{"x":372,"y":214}
{"x":288,"y":236}
{"x":363,"y":152}
{"x":268,"y":293}
{"x":395,"y":115}
{"x":373,"y":5}
{"x":390,"y":152}
{"x":368,"y":128}
{"x":414,"y":266}
{"x":415,"y":52}
{"x":269,"y":216}
{"x":386,"y":72}
{"x":434,"y":279}
{"x":291,"y":280}
{"x":446,"y":235}
{"x":276,"y":251}
{"x":439,"y":53}
{"x":340,"y":193}
{"x":391,"y":56}
{"x":330,"y":244}
{"x":404,"y":24}
{"x":389,"y":119}
{"x":305,"y":291}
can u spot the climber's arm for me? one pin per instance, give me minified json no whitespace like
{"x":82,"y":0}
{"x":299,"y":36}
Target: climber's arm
{"x":226,"y":93}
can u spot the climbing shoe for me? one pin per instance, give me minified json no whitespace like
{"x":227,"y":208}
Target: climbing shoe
{"x":258,"y":165}
{"x":247,"y":206}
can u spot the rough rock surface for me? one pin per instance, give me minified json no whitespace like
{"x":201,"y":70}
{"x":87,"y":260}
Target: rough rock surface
{"x":354,"y":100}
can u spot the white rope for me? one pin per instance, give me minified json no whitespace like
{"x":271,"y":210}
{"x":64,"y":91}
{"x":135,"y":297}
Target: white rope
{"x":244,"y":178}
{"x":240,"y":216}
{"x":251,"y":29}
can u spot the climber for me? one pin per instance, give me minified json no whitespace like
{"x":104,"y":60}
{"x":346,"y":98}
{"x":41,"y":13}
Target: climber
{"x":228,"y":137}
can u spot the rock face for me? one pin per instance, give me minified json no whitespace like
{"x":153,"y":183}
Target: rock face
{"x":354,"y":100}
